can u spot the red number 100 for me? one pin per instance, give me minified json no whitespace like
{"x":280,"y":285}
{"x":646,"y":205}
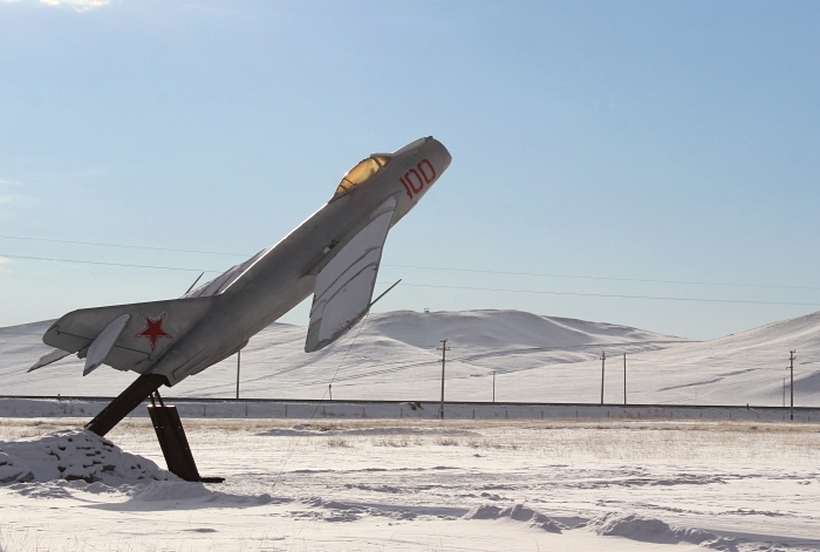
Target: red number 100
{"x":415,"y":179}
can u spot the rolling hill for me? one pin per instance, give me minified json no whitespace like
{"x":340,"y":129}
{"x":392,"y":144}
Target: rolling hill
{"x":395,"y":356}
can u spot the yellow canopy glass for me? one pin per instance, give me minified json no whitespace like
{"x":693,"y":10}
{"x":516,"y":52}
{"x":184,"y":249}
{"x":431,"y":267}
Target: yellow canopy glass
{"x":361,"y":173}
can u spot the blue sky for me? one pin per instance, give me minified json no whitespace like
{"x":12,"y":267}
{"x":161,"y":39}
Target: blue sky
{"x":644,"y":163}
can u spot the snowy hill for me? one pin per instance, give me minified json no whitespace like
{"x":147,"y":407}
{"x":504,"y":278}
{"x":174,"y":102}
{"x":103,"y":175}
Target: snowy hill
{"x":394,"y":356}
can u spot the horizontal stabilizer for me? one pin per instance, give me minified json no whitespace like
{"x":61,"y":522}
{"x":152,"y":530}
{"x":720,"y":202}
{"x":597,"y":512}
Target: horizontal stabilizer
{"x":126,"y":337}
{"x":45,"y":360}
{"x":344,"y":286}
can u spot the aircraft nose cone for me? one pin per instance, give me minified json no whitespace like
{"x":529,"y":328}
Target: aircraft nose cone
{"x":442,"y":157}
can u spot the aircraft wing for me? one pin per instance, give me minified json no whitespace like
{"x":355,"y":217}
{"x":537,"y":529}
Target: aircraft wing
{"x":125,"y":337}
{"x":345,"y":285}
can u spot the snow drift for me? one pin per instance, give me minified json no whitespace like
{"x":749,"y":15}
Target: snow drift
{"x":74,"y":455}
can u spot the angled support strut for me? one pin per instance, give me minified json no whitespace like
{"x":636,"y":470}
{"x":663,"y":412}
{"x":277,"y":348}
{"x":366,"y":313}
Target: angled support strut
{"x":127,"y":401}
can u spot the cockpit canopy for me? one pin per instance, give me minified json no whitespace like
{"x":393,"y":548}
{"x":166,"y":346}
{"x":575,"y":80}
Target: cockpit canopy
{"x":361,"y":173}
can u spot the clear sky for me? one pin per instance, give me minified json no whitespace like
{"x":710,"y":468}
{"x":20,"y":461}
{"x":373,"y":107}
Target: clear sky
{"x":652,"y":163}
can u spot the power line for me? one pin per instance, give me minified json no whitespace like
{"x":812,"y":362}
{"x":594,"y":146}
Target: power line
{"x":123,"y":246}
{"x":465,"y":288}
{"x":422,"y":267}
{"x":619,"y":296}
{"x":603,"y":278}
{"x":102,"y":263}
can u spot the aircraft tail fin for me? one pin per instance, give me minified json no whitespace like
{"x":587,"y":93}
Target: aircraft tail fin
{"x":125,"y":337}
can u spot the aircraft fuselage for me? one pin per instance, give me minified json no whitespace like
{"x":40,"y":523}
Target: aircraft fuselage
{"x":282,"y":276}
{"x":334,"y":254}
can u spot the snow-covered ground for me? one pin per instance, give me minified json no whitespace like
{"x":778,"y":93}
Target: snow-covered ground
{"x":415,"y":486}
{"x":422,"y":485}
{"x":394,"y":356}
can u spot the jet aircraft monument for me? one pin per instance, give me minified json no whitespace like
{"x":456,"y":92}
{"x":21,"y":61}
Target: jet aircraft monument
{"x":334,"y":255}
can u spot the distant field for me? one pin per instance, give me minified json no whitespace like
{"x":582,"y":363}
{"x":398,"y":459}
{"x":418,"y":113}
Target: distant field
{"x":295,"y":409}
{"x":695,"y":440}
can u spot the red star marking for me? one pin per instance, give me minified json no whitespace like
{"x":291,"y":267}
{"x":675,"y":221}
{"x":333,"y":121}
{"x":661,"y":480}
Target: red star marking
{"x":154,"y":330}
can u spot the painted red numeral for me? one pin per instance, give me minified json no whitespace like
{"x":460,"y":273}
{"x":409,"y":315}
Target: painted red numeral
{"x":415,"y":179}
{"x":420,"y":166}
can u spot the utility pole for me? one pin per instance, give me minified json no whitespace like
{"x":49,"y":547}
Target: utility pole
{"x":791,"y":383}
{"x":238,"y":359}
{"x":444,"y":348}
{"x":624,"y":379}
{"x":493,"y":385}
{"x":784,"y":392}
{"x":603,"y":367}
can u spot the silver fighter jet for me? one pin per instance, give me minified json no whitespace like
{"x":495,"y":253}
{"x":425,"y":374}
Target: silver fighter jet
{"x":334,"y":254}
